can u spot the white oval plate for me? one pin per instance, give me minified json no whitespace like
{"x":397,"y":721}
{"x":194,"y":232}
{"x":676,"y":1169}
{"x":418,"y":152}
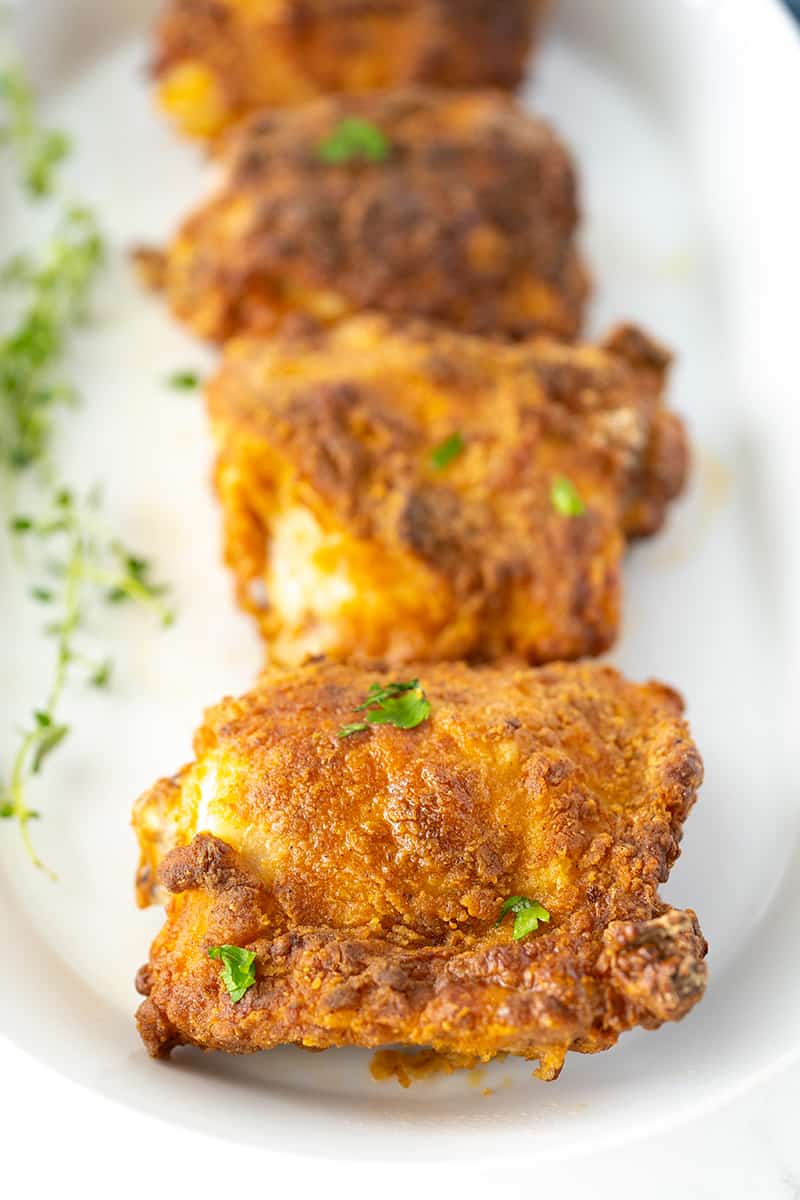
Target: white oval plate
{"x":684,"y":120}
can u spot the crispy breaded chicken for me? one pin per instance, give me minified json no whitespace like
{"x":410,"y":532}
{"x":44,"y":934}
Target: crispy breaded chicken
{"x":348,"y":537}
{"x":217,"y":60}
{"x":459,"y":207}
{"x":366,"y":874}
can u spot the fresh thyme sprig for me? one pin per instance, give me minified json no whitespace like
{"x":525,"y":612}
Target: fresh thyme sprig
{"x":38,"y":151}
{"x":79,"y":564}
{"x":78,"y":560}
{"x":51,"y":301}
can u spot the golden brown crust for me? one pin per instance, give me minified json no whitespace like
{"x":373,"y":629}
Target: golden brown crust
{"x":217,"y":60}
{"x":366,"y":873}
{"x":472,"y":561}
{"x":656,"y":965}
{"x":470,"y":220}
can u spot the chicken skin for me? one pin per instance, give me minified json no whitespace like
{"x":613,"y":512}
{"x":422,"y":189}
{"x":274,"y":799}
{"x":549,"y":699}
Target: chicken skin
{"x":457,"y":207}
{"x":217,"y":60}
{"x":363,"y":876}
{"x":413,"y":493}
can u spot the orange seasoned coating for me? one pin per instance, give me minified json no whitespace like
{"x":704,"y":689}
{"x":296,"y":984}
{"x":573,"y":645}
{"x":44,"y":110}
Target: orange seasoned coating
{"x":468,"y":219}
{"x":346,"y":540}
{"x":366,"y":874}
{"x":217,"y":60}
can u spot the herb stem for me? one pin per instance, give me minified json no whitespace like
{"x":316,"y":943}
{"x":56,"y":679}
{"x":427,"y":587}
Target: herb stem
{"x":71,"y":609}
{"x":22,"y":814}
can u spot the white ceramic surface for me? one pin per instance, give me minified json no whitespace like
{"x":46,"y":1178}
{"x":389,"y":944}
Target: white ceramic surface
{"x":684,"y":119}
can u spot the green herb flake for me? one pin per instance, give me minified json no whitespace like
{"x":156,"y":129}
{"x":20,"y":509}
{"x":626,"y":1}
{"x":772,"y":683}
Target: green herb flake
{"x":527,"y":915}
{"x":101,"y":675}
{"x":48,"y":736}
{"x":565,"y":498}
{"x":184,"y":381}
{"x":355,"y":140}
{"x":403,"y":705}
{"x":448,"y":450}
{"x":238,"y":969}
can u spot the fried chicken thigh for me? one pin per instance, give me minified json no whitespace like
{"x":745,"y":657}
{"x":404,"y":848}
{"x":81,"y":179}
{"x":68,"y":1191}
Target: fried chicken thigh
{"x":348,"y":537}
{"x":366,"y":874}
{"x":217,"y":61}
{"x":458,"y":207}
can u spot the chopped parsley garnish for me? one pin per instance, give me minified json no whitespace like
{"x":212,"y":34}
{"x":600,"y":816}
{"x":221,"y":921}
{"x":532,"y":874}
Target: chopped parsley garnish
{"x":184,"y":381}
{"x":238,"y":970}
{"x":404,"y":705}
{"x":443,"y":454}
{"x":565,"y":498}
{"x":527,"y":915}
{"x":355,"y":140}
